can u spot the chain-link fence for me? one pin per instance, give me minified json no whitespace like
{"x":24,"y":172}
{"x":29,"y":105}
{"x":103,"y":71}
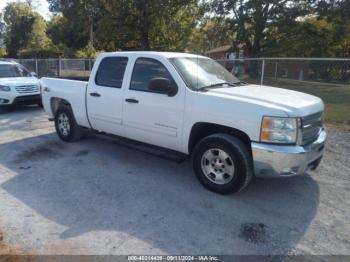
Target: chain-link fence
{"x":69,"y":68}
{"x":327,"y":70}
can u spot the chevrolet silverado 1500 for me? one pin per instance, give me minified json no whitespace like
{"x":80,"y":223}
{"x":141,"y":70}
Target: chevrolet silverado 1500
{"x":191,"y":104}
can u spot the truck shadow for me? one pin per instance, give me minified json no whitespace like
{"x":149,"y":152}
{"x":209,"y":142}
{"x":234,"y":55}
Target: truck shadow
{"x":97,"y":185}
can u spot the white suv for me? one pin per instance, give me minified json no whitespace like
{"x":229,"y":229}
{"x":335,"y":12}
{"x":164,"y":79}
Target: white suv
{"x":18,"y":85}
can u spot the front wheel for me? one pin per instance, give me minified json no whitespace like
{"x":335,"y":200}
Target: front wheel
{"x":222,"y":163}
{"x":66,"y":126}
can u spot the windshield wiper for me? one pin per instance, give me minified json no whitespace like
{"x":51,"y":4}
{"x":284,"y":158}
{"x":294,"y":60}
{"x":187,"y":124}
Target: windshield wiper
{"x":216,"y":85}
{"x":221,"y":84}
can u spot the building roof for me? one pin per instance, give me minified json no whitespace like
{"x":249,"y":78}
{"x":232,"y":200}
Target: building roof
{"x":224,"y":48}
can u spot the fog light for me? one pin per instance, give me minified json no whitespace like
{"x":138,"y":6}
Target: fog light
{"x":4,"y":101}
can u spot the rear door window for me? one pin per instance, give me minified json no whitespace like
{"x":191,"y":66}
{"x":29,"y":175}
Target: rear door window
{"x":111,"y":72}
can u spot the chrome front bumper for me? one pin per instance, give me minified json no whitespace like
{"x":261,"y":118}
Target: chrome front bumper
{"x":279,"y":161}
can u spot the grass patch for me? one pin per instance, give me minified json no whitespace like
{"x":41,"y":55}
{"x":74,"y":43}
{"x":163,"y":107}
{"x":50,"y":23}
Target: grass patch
{"x":335,"y":96}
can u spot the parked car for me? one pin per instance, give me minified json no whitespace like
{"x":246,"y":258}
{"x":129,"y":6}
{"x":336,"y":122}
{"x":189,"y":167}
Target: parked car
{"x":191,"y":104}
{"x":18,"y":85}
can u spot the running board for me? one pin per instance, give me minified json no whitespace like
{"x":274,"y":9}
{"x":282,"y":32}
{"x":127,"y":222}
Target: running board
{"x":143,"y":147}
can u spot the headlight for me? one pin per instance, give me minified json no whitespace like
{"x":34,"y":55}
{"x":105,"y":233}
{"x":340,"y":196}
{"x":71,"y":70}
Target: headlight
{"x":280,"y":130}
{"x":5,"y":88}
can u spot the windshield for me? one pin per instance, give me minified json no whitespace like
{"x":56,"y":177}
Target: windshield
{"x":200,"y":72}
{"x":13,"y":70}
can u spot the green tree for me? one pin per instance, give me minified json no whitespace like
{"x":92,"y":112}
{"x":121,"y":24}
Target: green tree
{"x":62,"y":35}
{"x":304,"y":37}
{"x":123,"y":24}
{"x":333,"y":8}
{"x":38,"y":40}
{"x":19,"y":19}
{"x":56,"y":29}
{"x":210,"y":33}
{"x":151,"y":15}
{"x":88,"y":52}
{"x":80,"y":16}
{"x":338,"y":14}
{"x":251,"y":18}
{"x":146,"y":24}
{"x":25,"y":32}
{"x":174,"y":33}
{"x":117,"y":28}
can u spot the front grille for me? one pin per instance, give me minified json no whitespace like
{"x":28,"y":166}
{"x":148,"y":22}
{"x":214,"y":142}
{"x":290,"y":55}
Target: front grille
{"x":26,"y":89}
{"x":311,"y":127}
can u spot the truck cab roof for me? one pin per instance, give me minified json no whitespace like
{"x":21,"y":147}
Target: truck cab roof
{"x":155,"y":53}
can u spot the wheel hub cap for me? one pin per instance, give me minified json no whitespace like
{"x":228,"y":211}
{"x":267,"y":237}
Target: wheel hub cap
{"x":217,"y":166}
{"x":63,"y":124}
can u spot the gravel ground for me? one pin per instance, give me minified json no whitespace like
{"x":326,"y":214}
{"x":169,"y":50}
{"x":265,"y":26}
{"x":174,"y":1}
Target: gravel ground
{"x":99,"y":197}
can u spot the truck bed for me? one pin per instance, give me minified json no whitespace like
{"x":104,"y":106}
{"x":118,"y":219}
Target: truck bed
{"x":73,"y":91}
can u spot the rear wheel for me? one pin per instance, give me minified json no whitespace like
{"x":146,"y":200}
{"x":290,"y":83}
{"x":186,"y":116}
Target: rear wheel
{"x":66,"y":126}
{"x":222,"y":163}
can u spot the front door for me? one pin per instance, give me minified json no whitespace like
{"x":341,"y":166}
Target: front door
{"x":148,"y":116}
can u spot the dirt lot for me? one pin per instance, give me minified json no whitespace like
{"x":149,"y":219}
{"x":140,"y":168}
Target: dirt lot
{"x":99,"y":197}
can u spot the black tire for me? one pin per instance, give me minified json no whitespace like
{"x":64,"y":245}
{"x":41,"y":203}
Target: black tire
{"x":75,"y":132}
{"x":40,"y":105}
{"x":236,"y":150}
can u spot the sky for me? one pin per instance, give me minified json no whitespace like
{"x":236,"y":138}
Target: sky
{"x":40,"y":6}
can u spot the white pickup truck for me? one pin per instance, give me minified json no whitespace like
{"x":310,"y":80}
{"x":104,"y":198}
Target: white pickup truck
{"x":18,"y":85}
{"x":191,"y":104}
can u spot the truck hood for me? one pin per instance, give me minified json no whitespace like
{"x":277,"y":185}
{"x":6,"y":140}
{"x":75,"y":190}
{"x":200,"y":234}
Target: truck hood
{"x":19,"y":81}
{"x":292,"y":102}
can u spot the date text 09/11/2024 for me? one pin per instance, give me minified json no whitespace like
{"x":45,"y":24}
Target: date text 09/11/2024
{"x":173,"y":258}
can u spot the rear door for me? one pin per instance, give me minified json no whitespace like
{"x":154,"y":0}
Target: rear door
{"x":105,"y":95}
{"x":149,"y":116}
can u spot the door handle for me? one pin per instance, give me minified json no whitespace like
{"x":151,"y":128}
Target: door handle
{"x":132,"y":100}
{"x":95,"y":94}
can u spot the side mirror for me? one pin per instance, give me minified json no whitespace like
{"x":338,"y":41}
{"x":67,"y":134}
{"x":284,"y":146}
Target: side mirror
{"x":163,"y":86}
{"x":33,"y":74}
